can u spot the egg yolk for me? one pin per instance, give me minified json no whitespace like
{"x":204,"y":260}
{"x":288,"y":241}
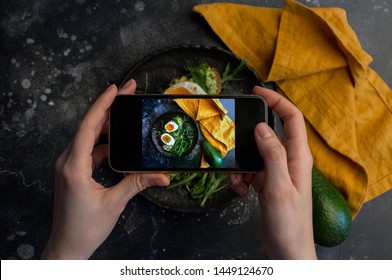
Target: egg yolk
{"x":166,"y":139}
{"x":169,"y":127}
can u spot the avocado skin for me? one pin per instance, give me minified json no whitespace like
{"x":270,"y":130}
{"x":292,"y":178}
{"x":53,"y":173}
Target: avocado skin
{"x":331,"y":214}
{"x":213,"y":157}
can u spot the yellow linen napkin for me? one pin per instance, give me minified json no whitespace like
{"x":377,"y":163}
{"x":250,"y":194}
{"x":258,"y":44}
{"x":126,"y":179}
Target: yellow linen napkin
{"x":217,"y":128}
{"x":316,"y":60}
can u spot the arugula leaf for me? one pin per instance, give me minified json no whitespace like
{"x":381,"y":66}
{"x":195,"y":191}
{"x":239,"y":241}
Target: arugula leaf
{"x":200,"y":186}
{"x":231,"y":75}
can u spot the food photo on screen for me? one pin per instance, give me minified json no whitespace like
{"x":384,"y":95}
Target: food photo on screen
{"x":188,"y":133}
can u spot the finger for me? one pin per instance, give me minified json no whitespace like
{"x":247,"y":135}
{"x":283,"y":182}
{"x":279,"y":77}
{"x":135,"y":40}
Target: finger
{"x":292,"y":117}
{"x":128,"y":88}
{"x":298,"y":153}
{"x":237,"y":184}
{"x":248,"y":177}
{"x":91,"y":126}
{"x":132,"y":184}
{"x":274,"y":155}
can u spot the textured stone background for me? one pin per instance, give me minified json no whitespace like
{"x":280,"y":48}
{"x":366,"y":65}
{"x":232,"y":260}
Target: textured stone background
{"x":55,"y":59}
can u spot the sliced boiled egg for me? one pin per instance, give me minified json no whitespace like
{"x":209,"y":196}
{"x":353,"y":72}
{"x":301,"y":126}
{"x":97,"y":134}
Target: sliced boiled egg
{"x":168,"y":139}
{"x":185,"y":88}
{"x":171,"y":126}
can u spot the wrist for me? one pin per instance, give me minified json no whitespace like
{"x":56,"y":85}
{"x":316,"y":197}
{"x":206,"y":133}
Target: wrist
{"x":55,"y":250}
{"x":289,"y":252}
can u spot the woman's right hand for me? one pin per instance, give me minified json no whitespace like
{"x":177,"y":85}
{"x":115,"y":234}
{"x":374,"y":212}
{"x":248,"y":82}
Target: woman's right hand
{"x":285,"y":185}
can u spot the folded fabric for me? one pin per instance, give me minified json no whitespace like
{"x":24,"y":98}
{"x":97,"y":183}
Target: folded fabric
{"x":217,"y":128}
{"x":316,"y":60}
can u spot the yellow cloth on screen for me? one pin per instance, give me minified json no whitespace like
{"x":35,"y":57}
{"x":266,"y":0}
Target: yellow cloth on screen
{"x":217,"y":128}
{"x":316,"y":60}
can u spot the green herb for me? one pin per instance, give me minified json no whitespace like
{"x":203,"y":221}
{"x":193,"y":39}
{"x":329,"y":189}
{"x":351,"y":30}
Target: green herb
{"x":231,"y":75}
{"x":182,"y":144}
{"x":204,"y":76}
{"x":180,"y":179}
{"x":146,"y":82}
{"x":201,"y":186}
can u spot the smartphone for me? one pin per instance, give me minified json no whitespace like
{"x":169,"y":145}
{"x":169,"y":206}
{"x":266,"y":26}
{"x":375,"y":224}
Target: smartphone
{"x":192,"y":133}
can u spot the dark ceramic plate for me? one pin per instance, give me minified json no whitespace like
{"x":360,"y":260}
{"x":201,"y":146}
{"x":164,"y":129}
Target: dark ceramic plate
{"x":153,"y":75}
{"x":191,"y":134}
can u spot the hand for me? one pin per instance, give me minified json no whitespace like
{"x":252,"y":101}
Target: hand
{"x":85,"y":212}
{"x":285,"y":185}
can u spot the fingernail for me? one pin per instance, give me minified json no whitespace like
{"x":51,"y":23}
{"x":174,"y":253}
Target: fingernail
{"x":162,"y":182}
{"x":109,"y":87}
{"x":264,"y":131}
{"x":129,"y":83}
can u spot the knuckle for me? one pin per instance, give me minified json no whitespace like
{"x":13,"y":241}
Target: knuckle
{"x":139,"y":184}
{"x":309,"y":160}
{"x":297,"y":112}
{"x":68,"y":174}
{"x":65,"y":172}
{"x":276,"y":152}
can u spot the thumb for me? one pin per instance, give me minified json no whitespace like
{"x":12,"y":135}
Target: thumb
{"x":273,"y":153}
{"x":132,"y":184}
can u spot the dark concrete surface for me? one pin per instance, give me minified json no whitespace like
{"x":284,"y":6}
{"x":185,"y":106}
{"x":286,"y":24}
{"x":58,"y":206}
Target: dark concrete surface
{"x":55,"y":59}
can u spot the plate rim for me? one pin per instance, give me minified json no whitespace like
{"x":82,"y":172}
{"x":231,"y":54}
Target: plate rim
{"x":185,"y":46}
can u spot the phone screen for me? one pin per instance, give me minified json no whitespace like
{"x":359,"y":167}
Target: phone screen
{"x":185,"y":133}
